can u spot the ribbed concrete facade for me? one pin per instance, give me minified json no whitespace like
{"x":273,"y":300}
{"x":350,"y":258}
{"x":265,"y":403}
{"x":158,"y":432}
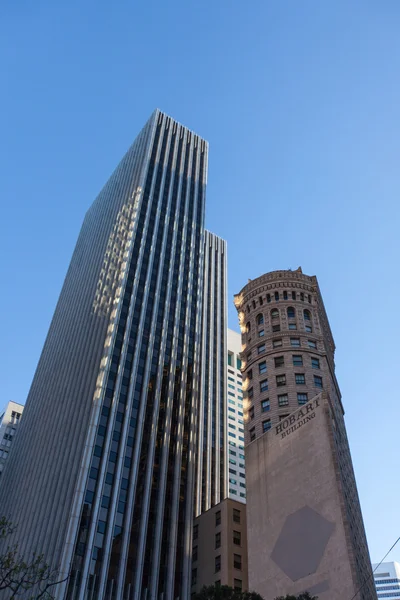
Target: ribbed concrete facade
{"x":211,"y":481}
{"x":105,"y":449}
{"x":288,"y":359}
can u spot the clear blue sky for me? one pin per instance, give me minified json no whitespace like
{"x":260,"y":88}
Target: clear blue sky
{"x":300,"y":102}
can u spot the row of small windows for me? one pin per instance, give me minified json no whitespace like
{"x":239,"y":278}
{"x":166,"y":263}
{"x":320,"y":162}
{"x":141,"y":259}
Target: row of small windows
{"x":300,"y":379}
{"x":291,"y":313}
{"x":283,"y":400}
{"x":277,"y":343}
{"x":277,"y":297}
{"x":279,"y":361}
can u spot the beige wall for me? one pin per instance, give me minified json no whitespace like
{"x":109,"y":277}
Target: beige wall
{"x":296,"y":532}
{"x":203,"y":569}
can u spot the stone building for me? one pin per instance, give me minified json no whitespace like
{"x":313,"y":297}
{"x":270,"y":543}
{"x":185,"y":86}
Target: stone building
{"x":299,"y":474}
{"x":219,"y":553}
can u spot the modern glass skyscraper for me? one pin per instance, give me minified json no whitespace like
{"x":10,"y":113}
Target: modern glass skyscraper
{"x":211,"y":480}
{"x":106,"y":448}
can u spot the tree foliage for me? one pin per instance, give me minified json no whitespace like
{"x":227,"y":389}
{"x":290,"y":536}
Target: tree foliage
{"x":19,"y":577}
{"x":225,"y":592}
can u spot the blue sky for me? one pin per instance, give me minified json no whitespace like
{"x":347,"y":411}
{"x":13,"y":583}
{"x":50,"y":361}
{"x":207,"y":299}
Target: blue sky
{"x":300,"y":102}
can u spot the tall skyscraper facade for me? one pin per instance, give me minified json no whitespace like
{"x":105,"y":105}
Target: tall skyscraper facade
{"x":304,"y":515}
{"x":108,"y":492}
{"x":211,"y":479}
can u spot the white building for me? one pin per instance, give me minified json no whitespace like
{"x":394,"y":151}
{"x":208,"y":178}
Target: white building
{"x":9,"y":421}
{"x":387,"y":580}
{"x":235,"y":426}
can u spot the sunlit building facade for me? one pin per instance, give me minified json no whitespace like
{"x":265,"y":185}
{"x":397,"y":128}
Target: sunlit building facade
{"x":235,"y":420}
{"x":108,"y":493}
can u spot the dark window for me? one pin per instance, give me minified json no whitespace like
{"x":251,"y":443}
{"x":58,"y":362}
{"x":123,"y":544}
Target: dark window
{"x":291,"y":313}
{"x":300,"y":378}
{"x":315,"y":363}
{"x":237,"y":562}
{"x":195,"y":532}
{"x":194,"y":576}
{"x":248,"y":327}
{"x":265,"y":405}
{"x":317,"y":381}
{"x":262,"y":367}
{"x":268,"y":297}
{"x":252,"y":433}
{"x":297,"y":360}
{"x":217,"y":563}
{"x":250,"y":392}
{"x":307,"y":315}
{"x":279,"y":361}
{"x":260,"y":319}
{"x":283,"y":400}
{"x":236,"y":515}
{"x":264,"y":385}
{"x":293,"y":295}
{"x":302,"y":296}
{"x":285,"y":295}
{"x":260,"y":300}
{"x":302,"y":399}
{"x":237,"y":538}
{"x":194,"y":553}
{"x":237,"y":584}
{"x":251,"y":412}
{"x":218,"y":540}
{"x":295,"y":342}
{"x":274,"y":313}
{"x":280,"y":380}
{"x":277,"y":296}
{"x":261,"y":348}
{"x":217,"y":518}
{"x":249,"y":374}
{"x":276,"y":328}
{"x":266,"y":425}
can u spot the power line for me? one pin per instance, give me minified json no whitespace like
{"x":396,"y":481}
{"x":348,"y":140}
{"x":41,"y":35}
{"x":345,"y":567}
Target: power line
{"x":377,"y":567}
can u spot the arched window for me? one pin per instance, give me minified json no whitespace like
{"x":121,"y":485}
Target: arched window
{"x":307,"y":315}
{"x":268,"y":297}
{"x":248,"y":327}
{"x":291,"y":313}
{"x":274,"y":313}
{"x":260,"y":319}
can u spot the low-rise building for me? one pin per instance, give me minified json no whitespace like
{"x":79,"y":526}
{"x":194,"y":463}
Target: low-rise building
{"x":387,"y":580}
{"x":219,"y":554}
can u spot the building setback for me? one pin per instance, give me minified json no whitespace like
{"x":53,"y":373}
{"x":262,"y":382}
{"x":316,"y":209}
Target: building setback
{"x":305,"y":527}
{"x":9,"y":424}
{"x":387,"y":580}
{"x":108,"y":493}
